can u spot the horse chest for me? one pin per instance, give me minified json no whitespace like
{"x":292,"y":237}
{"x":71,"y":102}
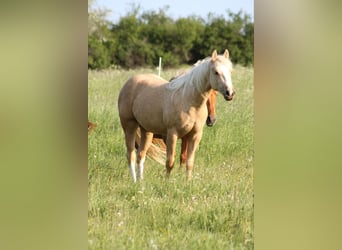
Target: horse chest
{"x":190,"y":121}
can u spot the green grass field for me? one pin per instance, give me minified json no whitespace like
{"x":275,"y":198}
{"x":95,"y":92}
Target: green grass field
{"x":213,"y":211}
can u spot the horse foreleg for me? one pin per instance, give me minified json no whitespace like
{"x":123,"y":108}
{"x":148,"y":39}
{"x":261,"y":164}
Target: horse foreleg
{"x":145,"y":143}
{"x":183,"y":154}
{"x":192,"y":146}
{"x":171,"y":142}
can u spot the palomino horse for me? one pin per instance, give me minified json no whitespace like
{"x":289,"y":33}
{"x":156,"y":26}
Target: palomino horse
{"x":173,"y":110}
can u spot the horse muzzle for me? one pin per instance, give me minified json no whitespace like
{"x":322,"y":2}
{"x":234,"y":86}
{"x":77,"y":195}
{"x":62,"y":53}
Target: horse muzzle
{"x":229,"y":96}
{"x":211,"y":120}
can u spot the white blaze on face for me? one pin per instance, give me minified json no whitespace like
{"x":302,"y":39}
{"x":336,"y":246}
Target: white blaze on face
{"x":227,"y":79}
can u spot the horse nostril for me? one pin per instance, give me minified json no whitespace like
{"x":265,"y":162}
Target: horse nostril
{"x":211,"y":121}
{"x":228,"y":93}
{"x":208,"y":121}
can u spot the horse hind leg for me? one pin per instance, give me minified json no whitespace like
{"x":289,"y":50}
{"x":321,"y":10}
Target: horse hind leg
{"x":145,"y":143}
{"x":130,"y":132}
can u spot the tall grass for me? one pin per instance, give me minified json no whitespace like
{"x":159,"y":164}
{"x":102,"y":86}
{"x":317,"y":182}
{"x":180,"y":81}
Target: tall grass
{"x":213,"y":211}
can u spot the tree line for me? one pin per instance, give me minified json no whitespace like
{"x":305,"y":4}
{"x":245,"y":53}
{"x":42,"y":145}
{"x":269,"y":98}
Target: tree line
{"x":140,"y":38}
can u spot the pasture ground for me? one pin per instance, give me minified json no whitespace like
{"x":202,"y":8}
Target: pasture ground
{"x":213,"y":211}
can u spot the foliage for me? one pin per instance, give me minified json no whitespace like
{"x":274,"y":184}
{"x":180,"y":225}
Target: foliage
{"x":214,"y":211}
{"x":96,"y":19}
{"x":139,"y":39}
{"x":236,"y":34}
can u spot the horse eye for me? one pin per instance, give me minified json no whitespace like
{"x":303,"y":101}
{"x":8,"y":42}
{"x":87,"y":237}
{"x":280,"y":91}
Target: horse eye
{"x":216,"y":73}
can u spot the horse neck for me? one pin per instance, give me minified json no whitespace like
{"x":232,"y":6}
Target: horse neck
{"x":199,"y":81}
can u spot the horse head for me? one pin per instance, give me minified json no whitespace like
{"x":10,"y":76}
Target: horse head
{"x":220,"y":75}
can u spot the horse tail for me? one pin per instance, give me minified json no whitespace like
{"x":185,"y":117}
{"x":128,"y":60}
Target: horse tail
{"x":91,"y":126}
{"x":157,"y":150}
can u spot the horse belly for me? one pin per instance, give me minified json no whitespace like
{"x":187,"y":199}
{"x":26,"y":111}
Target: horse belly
{"x":151,"y":124}
{"x":149,"y":116}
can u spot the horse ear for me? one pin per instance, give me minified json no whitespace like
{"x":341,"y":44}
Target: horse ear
{"x":226,"y":54}
{"x":214,"y":55}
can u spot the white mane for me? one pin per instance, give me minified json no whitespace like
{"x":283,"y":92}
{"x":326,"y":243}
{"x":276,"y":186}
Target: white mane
{"x":191,"y":77}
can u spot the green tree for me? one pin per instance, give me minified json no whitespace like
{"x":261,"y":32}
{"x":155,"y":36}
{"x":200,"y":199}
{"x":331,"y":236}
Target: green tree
{"x":234,"y":34}
{"x":139,"y":39}
{"x":186,"y":34}
{"x":159,"y":32}
{"x":98,"y":57}
{"x":98,"y":34}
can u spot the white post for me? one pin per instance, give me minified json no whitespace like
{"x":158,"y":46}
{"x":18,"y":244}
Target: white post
{"x":159,"y":68}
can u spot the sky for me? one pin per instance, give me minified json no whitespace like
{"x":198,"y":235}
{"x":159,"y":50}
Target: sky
{"x":178,"y":8}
